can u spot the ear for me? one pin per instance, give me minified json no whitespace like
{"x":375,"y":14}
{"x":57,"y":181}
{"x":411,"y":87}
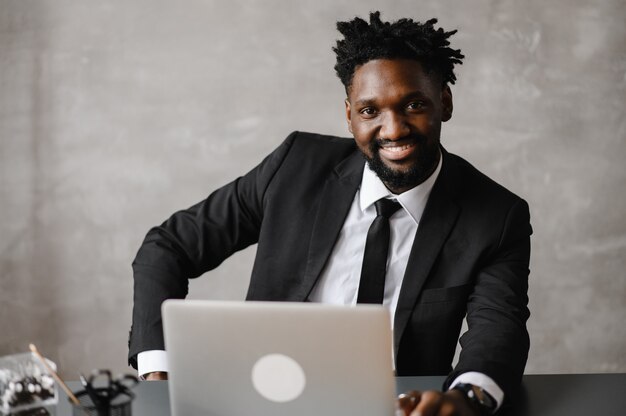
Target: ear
{"x":348,"y":115}
{"x":446,"y":103}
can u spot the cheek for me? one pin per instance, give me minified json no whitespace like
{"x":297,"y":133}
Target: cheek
{"x":364,"y":146}
{"x":363,"y":139}
{"x":428,"y":126}
{"x":423,"y":122}
{"x":434,"y":128}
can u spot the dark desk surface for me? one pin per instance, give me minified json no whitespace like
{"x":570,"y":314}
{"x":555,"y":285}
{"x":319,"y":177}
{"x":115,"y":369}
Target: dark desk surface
{"x":541,"y":395}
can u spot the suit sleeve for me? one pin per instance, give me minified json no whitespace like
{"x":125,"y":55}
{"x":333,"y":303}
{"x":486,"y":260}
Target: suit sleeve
{"x":497,"y":341}
{"x":194,"y":241}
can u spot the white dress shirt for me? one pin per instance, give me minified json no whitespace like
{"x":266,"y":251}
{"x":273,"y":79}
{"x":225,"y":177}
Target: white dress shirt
{"x":339,"y":281}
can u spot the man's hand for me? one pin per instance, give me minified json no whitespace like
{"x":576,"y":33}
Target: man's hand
{"x":155,"y":375}
{"x":435,"y":403}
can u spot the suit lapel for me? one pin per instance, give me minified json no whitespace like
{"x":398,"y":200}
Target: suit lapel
{"x":335,"y":202}
{"x":435,"y":225}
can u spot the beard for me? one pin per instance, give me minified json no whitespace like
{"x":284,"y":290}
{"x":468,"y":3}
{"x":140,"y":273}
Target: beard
{"x":418,"y":172}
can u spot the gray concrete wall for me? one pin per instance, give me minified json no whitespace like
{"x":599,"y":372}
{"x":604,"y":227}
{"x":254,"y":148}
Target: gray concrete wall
{"x":115,"y":113}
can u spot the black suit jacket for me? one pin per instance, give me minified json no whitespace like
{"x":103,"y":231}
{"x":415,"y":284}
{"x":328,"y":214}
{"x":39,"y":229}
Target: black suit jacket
{"x":470,"y":255}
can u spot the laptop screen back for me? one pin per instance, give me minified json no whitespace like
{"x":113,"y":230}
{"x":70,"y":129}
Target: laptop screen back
{"x":266,"y":358}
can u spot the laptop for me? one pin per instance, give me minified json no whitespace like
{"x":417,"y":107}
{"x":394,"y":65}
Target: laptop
{"x":277,"y":358}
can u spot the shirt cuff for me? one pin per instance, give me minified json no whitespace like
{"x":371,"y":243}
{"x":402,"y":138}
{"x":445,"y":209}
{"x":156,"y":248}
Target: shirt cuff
{"x":150,"y":361}
{"x":484,"y":382}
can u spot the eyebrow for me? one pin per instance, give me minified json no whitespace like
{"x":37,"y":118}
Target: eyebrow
{"x":372,"y":100}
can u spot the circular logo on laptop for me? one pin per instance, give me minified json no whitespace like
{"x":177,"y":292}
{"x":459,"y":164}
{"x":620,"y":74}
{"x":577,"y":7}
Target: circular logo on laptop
{"x":278,"y":378}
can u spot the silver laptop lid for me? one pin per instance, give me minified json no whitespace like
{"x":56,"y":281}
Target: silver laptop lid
{"x":266,"y":358}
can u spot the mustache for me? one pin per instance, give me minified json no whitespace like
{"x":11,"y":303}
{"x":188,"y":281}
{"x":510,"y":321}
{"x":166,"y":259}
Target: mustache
{"x":408,"y":139}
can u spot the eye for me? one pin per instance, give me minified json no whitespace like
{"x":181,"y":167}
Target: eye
{"x":368,"y":112}
{"x":416,"y":105}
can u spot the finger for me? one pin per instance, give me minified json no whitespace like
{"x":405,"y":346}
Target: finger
{"x":406,"y":402}
{"x":447,"y":409}
{"x":429,"y":403}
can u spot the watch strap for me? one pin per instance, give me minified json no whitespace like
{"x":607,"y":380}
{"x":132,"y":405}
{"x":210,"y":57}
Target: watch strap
{"x":478,"y":397}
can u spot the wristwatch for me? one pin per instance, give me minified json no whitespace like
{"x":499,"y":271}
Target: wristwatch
{"x":478,"y":397}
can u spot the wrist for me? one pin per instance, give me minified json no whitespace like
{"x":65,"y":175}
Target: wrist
{"x":154,"y":375}
{"x":481,"y":401}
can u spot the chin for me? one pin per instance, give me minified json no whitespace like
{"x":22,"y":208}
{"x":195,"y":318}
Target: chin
{"x":396,"y":178}
{"x":405,"y":173}
{"x":401,"y":167}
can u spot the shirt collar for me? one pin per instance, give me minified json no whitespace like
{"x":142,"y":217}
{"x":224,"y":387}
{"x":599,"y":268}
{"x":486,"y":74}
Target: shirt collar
{"x":413,"y":201}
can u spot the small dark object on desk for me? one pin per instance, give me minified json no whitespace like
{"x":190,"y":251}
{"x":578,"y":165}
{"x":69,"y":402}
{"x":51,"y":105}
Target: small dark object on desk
{"x":120,"y":405}
{"x":105,"y":396}
{"x":93,"y":395}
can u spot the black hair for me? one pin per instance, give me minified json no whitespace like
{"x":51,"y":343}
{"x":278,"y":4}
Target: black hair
{"x":402,"y":39}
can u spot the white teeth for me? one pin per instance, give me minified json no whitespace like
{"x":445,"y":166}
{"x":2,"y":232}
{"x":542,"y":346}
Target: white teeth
{"x":398,"y":148}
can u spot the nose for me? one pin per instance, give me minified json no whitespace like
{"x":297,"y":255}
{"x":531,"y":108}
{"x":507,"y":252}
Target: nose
{"x":393,"y":126}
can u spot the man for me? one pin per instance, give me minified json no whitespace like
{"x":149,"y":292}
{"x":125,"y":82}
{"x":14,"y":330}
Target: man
{"x":458,"y":242}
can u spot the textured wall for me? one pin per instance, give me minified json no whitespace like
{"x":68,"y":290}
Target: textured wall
{"x":115,"y":113}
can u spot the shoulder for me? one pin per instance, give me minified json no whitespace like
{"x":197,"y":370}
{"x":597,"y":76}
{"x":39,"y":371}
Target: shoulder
{"x":470,"y":183}
{"x":322,"y":143}
{"x":489,"y":211}
{"x":317,"y":151}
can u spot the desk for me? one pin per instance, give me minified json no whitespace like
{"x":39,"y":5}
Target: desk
{"x":541,"y":395}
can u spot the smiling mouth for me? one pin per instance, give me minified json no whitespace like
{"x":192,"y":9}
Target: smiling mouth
{"x":394,"y":148}
{"x":396,"y":151}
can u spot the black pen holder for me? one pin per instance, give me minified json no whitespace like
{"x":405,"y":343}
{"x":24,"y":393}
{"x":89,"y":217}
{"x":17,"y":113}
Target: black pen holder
{"x":120,"y":405}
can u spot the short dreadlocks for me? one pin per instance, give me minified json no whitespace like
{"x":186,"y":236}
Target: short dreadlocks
{"x":403,"y":39}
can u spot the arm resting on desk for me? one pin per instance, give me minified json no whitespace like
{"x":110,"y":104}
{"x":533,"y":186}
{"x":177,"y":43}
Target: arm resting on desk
{"x":497,"y":340}
{"x":194,"y":241}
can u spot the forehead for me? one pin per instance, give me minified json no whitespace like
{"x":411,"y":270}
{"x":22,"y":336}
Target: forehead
{"x":391,"y":77}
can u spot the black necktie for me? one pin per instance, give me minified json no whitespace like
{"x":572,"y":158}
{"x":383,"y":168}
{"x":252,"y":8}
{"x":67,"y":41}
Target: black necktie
{"x":372,"y":285}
